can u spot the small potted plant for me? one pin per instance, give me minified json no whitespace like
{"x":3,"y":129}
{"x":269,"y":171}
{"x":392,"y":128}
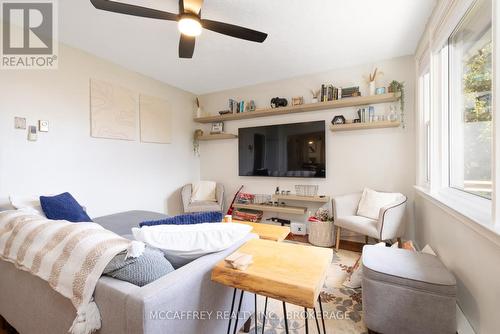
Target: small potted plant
{"x":196,"y":143}
{"x":399,"y":87}
{"x":321,"y":231}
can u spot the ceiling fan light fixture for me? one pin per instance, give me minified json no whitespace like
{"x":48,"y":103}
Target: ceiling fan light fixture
{"x":190,"y":25}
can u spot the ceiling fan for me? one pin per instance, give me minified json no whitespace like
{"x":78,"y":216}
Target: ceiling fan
{"x":189,"y":22}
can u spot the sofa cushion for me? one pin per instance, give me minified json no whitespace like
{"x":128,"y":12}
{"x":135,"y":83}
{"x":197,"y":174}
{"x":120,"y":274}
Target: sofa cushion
{"x":359,"y":224}
{"x":184,"y":243}
{"x":406,"y":268}
{"x":203,"y":206}
{"x":187,"y":219}
{"x":122,"y":223}
{"x":203,"y":191}
{"x":139,"y":271}
{"x":63,"y":207}
{"x":372,"y":201}
{"x":28,"y":204}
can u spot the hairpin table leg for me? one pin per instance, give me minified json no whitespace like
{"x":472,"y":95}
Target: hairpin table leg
{"x":316,"y":318}
{"x":238,"y":313}
{"x":286,"y":318}
{"x":322,"y":315}
{"x":231,"y":313}
{"x":264,"y":316}
{"x":255,"y":314}
{"x":307,"y":323}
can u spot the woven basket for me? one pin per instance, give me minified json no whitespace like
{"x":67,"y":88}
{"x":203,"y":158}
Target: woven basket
{"x":322,"y":234}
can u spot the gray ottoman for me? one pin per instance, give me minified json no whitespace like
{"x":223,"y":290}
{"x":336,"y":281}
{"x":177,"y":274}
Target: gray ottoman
{"x":407,"y":292}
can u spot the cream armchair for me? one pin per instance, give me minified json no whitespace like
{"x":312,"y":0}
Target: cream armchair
{"x":389,"y":224}
{"x":205,"y":206}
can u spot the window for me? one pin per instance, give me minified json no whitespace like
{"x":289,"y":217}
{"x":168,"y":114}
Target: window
{"x":426,"y":113}
{"x":470,"y":112}
{"x":424,"y":90}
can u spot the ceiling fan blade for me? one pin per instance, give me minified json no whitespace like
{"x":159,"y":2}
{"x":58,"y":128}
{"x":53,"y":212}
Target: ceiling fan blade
{"x":186,"y":46}
{"x":193,"y":6}
{"x":234,"y":31}
{"x":125,"y":8}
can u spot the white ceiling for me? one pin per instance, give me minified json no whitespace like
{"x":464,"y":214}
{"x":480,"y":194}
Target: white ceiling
{"x":304,"y":37}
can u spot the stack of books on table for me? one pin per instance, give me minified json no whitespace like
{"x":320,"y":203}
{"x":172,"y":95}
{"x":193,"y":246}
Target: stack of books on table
{"x":247,"y":215}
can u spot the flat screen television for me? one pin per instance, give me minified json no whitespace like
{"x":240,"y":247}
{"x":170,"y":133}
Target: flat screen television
{"x":285,"y":150}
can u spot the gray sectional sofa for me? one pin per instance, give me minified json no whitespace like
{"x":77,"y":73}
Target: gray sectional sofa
{"x":32,"y":307}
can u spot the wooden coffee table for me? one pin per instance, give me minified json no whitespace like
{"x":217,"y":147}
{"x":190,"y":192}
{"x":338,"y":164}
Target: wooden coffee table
{"x":284,"y":271}
{"x":268,"y":231}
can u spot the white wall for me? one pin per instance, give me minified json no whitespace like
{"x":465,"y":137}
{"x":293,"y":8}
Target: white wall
{"x":471,"y":257}
{"x":105,"y":175}
{"x":382,"y":159}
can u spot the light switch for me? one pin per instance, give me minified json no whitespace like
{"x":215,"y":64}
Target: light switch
{"x":43,"y":126}
{"x":32,"y":133}
{"x":20,"y":123}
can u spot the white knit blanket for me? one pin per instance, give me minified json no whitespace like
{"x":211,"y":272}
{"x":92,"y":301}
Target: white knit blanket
{"x":70,"y":257}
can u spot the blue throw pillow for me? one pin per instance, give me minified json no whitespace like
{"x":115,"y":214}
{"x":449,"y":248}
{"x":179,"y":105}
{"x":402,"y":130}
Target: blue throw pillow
{"x":63,"y":207}
{"x":187,"y":219}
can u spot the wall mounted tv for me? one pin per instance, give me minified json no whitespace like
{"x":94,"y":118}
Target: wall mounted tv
{"x":285,"y":150}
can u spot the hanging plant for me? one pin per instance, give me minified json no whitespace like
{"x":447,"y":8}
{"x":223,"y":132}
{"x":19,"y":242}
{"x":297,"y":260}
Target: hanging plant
{"x":196,"y":143}
{"x":399,"y":87}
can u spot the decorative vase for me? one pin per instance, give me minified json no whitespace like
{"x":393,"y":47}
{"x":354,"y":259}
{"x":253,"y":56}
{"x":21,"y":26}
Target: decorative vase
{"x":314,"y":100}
{"x":199,"y":113}
{"x":321,"y":234}
{"x":371,"y":87}
{"x":393,"y":115}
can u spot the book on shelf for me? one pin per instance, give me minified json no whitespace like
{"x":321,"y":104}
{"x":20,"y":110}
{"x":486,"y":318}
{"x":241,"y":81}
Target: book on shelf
{"x":329,"y":92}
{"x":236,"y":107}
{"x":233,"y":106}
{"x":366,"y":115}
{"x":350,"y":92}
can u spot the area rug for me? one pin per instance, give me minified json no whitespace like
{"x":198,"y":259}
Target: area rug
{"x":342,"y":306}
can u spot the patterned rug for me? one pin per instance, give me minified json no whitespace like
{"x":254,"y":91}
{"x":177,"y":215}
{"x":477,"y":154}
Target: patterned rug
{"x":342,"y":306}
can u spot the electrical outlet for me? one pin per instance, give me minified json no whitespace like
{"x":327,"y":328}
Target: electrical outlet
{"x":43,"y":126}
{"x":20,"y":123}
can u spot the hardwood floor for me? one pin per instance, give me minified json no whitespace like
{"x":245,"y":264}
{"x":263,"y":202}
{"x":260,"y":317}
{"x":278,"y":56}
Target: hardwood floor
{"x":8,"y":331}
{"x":3,"y":326}
{"x":344,"y":244}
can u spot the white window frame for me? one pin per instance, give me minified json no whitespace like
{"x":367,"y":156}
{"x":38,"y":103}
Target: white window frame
{"x":473,"y":208}
{"x":424,"y":137}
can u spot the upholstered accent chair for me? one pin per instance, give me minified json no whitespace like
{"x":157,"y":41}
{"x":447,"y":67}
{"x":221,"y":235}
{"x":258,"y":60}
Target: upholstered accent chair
{"x":202,"y":206}
{"x":388,"y":226}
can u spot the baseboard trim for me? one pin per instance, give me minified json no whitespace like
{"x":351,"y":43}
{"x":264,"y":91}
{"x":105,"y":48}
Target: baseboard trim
{"x":463,"y":325}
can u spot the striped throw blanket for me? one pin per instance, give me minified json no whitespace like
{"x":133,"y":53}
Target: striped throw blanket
{"x":69,"y":257}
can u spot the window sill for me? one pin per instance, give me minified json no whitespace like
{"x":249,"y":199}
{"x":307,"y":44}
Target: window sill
{"x":470,"y":210}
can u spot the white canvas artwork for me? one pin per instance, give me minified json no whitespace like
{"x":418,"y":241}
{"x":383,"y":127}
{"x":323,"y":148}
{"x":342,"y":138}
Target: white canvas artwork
{"x":113,"y":111}
{"x":155,"y":119}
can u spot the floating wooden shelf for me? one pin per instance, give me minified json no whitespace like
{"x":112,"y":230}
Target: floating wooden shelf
{"x":217,"y":136}
{"x":342,"y":103}
{"x":296,"y":210}
{"x":315,"y":199}
{"x":363,"y":126}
